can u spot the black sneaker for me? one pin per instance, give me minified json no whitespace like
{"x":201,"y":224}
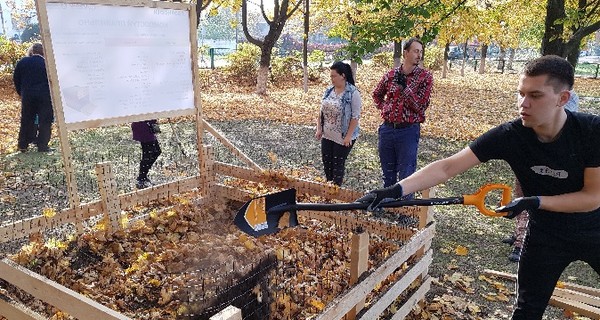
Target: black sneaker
{"x":143,"y":184}
{"x":510,"y":240}
{"x":515,"y":255}
{"x":46,"y":150}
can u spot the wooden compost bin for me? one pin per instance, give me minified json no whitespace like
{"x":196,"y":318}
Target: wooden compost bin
{"x":417,"y":242}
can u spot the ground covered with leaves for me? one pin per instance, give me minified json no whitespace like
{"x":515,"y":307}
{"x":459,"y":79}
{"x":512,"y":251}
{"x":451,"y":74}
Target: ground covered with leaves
{"x":273,"y":127}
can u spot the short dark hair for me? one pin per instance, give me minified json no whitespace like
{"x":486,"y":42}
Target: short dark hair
{"x":35,"y":48}
{"x":345,"y":69}
{"x":560,"y":72}
{"x":410,"y":41}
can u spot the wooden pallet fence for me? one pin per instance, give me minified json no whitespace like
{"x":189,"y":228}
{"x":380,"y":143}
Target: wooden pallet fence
{"x":112,"y":203}
{"x":342,"y":305}
{"x":55,"y":294}
{"x":569,"y":296}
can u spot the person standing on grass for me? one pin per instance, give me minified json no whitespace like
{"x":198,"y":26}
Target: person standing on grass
{"x":555,"y":154}
{"x":337,"y":123}
{"x":145,"y":133}
{"x":31,"y":83}
{"x":402,"y":96}
{"x":518,"y":237}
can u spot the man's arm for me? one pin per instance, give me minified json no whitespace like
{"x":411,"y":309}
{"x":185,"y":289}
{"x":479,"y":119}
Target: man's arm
{"x":433,"y":174}
{"x":587,"y":199}
{"x":17,"y":77}
{"x":416,"y":97}
{"x":380,"y":91}
{"x":440,"y":171}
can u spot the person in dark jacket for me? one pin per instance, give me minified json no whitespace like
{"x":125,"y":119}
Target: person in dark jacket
{"x":31,"y":83}
{"x":145,"y":133}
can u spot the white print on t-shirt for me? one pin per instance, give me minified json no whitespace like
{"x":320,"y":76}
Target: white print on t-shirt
{"x":545,"y":171}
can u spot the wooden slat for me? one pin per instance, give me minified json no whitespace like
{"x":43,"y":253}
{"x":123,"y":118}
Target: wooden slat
{"x":55,"y":294}
{"x":144,"y":196}
{"x":578,"y":296}
{"x":229,"y":313}
{"x":387,"y":230}
{"x":303,"y":186}
{"x":565,"y":285}
{"x":23,"y":228}
{"x":576,"y":287}
{"x":107,"y":185}
{"x":569,"y":296}
{"x":400,"y":286}
{"x":12,"y":310}
{"x":340,"y":306}
{"x":127,"y":119}
{"x":576,"y":306}
{"x":359,"y":264}
{"x":413,"y":300}
{"x":221,"y":138}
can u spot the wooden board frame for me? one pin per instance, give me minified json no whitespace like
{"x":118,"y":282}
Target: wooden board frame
{"x":416,"y":240}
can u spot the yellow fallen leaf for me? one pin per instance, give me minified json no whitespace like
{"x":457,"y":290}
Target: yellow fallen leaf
{"x":49,"y":212}
{"x":317,"y":304}
{"x":490,"y":296}
{"x":461,"y":251}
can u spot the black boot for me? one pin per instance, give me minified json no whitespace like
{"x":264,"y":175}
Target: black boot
{"x":515,"y":255}
{"x":509,"y":240}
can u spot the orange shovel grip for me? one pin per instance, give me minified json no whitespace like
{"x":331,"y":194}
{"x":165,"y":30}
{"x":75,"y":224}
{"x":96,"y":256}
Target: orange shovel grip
{"x":478,"y":199}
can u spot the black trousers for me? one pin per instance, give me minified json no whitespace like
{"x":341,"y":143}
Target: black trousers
{"x":334,"y":157}
{"x":150,"y":152}
{"x":545,"y":256}
{"x":35,"y":104}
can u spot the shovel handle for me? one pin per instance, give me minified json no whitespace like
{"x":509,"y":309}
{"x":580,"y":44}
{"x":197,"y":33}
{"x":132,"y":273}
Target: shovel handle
{"x":478,"y":199}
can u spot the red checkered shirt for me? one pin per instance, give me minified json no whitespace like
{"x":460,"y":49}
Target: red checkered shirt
{"x":408,"y":105}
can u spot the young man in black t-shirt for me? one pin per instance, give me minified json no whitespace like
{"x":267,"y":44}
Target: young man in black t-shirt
{"x":555,"y":154}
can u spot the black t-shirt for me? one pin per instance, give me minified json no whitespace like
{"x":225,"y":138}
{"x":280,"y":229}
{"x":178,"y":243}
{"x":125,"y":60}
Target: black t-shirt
{"x":546,"y":169}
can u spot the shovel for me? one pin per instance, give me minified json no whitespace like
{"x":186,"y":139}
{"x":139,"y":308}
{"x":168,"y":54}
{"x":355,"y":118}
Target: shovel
{"x":269,"y":213}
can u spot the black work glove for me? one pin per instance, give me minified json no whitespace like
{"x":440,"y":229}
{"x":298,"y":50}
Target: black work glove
{"x":519,"y":205}
{"x":375,"y":197}
{"x":400,"y":79}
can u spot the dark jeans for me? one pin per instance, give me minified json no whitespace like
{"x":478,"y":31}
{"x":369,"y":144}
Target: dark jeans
{"x":334,"y":157}
{"x":150,"y":152}
{"x":33,"y":104}
{"x":545,"y":256}
{"x":398,"y":152}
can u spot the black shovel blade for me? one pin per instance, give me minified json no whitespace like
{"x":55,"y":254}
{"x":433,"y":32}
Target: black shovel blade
{"x":255,"y":219}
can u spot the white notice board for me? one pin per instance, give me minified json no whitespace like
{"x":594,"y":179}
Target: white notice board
{"x":118,"y":61}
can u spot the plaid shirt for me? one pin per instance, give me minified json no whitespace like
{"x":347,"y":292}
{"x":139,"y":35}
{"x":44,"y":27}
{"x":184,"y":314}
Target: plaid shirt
{"x":408,"y":105}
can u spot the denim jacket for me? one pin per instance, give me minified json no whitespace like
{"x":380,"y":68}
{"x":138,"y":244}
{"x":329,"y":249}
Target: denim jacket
{"x":346,"y":103}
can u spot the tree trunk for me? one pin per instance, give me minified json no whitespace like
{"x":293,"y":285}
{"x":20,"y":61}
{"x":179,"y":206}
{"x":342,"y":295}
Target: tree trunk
{"x":511,"y":59}
{"x":264,"y":67}
{"x":552,"y":42}
{"x":305,"y":45}
{"x":572,"y":50}
{"x":445,"y":67}
{"x":397,"y":53}
{"x":464,"y":62}
{"x":2,"y":20}
{"x":354,"y":67}
{"x":484,"y":48}
{"x":501,"y":59}
{"x":262,"y":79}
{"x":282,"y":13}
